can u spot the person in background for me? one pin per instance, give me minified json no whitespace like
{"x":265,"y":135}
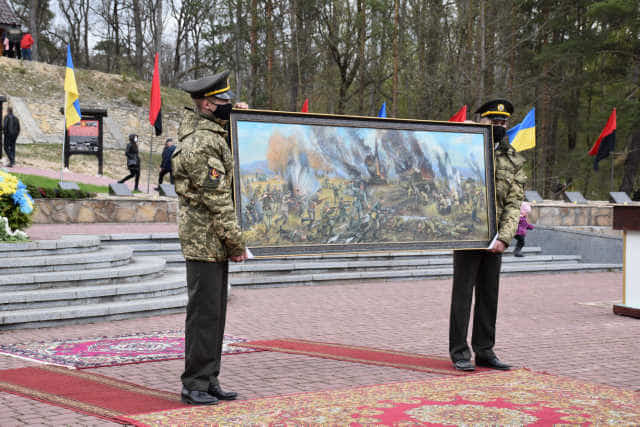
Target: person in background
{"x":11,"y":129}
{"x":523,"y":226}
{"x":133,"y":161}
{"x":25,"y":46}
{"x":165,"y":165}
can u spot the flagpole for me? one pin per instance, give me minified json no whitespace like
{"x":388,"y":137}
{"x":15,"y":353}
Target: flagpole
{"x":64,"y":121}
{"x":150,"y":160}
{"x":612,"y":163}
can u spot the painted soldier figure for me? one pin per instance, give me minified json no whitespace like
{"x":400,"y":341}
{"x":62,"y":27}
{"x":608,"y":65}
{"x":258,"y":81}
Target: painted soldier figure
{"x":209,"y":232}
{"x":480,"y":269}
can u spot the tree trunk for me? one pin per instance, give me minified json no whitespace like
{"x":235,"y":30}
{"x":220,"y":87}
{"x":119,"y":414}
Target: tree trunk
{"x":253,"y":44}
{"x":137,"y":22}
{"x":396,"y":59}
{"x":33,"y":26}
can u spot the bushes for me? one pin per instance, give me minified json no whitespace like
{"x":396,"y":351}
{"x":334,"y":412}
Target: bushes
{"x":56,"y":193}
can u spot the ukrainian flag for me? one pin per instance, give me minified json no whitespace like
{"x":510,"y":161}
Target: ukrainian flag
{"x":72,"y":105}
{"x":523,"y":135}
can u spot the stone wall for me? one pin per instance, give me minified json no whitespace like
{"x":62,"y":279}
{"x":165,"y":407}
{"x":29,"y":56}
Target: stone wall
{"x":139,"y":209}
{"x":593,"y":214}
{"x":63,"y":211}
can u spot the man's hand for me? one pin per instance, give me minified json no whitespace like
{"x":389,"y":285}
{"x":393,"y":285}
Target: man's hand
{"x":498,"y":247}
{"x":239,"y":258}
{"x":241,"y":105}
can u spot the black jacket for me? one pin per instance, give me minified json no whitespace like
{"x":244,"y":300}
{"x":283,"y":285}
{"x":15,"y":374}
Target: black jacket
{"x":11,"y":125}
{"x":166,"y":157}
{"x":133,"y":160}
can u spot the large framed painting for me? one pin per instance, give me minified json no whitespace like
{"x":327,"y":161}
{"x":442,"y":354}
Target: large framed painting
{"x":315,"y":184}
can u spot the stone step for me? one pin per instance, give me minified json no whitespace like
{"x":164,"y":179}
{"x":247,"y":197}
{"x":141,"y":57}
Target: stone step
{"x":170,"y":283}
{"x":255,"y":267}
{"x":112,"y":256}
{"x":407,"y":274}
{"x":139,"y":268}
{"x":70,"y":245}
{"x":48,"y":316}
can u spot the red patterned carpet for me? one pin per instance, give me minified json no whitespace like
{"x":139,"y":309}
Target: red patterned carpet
{"x":519,"y":397}
{"x":352,"y":353}
{"x":111,"y":351}
{"x":84,"y":392}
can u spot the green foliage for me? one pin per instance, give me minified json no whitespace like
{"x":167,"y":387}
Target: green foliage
{"x":137,"y":97}
{"x":50,"y":185}
{"x":17,"y":219}
{"x":56,"y":193}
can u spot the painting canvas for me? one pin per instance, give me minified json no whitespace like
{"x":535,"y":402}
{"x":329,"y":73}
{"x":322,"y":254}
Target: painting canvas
{"x":311,"y":183}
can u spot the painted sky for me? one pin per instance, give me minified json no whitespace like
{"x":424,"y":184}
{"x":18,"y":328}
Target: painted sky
{"x":253,"y":140}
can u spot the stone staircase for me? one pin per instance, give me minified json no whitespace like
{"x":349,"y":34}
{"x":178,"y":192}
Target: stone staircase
{"x":78,"y":280}
{"x":89,"y":278}
{"x":331,"y":268}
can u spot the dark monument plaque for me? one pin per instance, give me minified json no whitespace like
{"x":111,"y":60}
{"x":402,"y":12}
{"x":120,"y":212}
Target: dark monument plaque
{"x":85,"y":137}
{"x":118,"y":189}
{"x":532,"y":196}
{"x":619,"y":197}
{"x":574,"y":197}
{"x":167,"y":190}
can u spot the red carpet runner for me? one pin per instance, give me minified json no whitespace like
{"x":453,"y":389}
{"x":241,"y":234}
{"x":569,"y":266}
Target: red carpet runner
{"x":351,"y":353}
{"x":84,"y":392}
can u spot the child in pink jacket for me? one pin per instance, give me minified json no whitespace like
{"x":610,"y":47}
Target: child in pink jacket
{"x":523,"y":226}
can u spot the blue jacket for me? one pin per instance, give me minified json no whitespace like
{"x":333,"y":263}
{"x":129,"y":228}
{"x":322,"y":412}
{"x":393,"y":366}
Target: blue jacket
{"x":166,"y":157}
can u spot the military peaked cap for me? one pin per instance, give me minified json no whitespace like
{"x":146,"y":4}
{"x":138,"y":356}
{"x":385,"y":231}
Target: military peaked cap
{"x":496,"y":109}
{"x":216,"y":85}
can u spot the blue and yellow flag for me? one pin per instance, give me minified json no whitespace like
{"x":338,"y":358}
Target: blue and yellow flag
{"x":523,"y":135}
{"x":72,"y":105}
{"x":383,"y":110}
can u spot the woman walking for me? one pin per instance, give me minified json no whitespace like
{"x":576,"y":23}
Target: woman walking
{"x":133,"y":161}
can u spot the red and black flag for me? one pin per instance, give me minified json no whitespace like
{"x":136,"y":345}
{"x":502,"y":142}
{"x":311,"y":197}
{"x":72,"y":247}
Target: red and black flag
{"x":606,"y":141}
{"x":155,"y":106}
{"x":460,"y":116}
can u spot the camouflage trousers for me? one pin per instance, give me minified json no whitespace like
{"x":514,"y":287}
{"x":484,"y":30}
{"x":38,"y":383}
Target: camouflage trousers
{"x":204,"y":327}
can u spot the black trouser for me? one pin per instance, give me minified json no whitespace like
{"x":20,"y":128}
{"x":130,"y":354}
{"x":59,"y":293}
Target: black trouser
{"x":10,"y":148}
{"x":163,"y":172}
{"x":134,"y":172}
{"x":479,"y":269}
{"x":204,"y":327}
{"x":519,"y":244}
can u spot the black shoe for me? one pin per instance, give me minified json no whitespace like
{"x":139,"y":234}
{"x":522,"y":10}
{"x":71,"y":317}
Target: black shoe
{"x":464,"y":365}
{"x":221,"y":394}
{"x":197,"y":397}
{"x":518,"y":254}
{"x":493,"y":363}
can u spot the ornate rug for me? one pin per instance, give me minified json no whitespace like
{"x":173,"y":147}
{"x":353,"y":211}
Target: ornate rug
{"x":367,"y":355}
{"x":519,"y":397}
{"x":85,"y":392}
{"x":112,"y":351}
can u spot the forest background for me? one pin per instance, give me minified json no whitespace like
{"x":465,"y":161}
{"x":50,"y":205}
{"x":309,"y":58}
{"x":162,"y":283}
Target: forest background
{"x":573,"y":60}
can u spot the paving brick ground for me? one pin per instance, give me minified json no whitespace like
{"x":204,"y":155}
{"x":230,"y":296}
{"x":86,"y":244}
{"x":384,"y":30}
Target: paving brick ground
{"x":558,"y":323}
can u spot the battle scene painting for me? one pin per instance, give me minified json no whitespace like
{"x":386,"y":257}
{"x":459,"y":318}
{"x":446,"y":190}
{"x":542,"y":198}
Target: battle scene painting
{"x":326,"y":185}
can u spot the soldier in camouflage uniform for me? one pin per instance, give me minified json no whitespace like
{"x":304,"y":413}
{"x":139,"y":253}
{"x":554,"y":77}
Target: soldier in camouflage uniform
{"x":209,"y":232}
{"x":481,"y":268}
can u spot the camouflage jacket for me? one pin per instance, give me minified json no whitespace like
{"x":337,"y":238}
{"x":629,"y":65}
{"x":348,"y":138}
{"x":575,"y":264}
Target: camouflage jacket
{"x":203,"y":174}
{"x":510,"y":182}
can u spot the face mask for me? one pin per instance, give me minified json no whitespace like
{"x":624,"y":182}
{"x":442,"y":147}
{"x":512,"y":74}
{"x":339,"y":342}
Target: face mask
{"x":498,"y":133}
{"x":223,"y":111}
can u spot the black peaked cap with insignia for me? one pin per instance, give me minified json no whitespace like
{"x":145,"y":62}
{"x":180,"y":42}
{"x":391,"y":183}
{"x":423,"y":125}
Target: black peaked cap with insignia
{"x":216,"y":85}
{"x":496,"y":109}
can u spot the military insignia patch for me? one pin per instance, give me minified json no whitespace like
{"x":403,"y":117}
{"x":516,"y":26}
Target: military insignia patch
{"x":213,"y":178}
{"x":500,"y":107}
